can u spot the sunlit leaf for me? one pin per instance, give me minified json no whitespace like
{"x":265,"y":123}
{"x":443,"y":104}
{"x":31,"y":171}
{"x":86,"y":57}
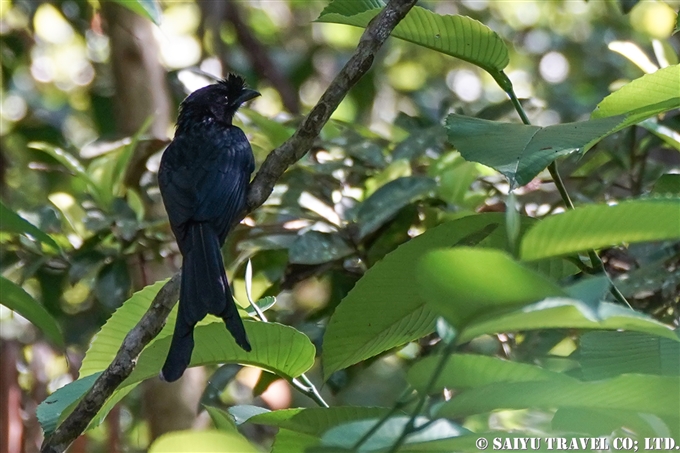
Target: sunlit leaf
{"x":12,"y":222}
{"x":600,"y":225}
{"x":646,"y":96}
{"x":518,"y":151}
{"x":457,"y":36}
{"x":278,"y":348}
{"x":465,"y":283}
{"x":202,"y":442}
{"x":563,"y":313}
{"x":15,"y":298}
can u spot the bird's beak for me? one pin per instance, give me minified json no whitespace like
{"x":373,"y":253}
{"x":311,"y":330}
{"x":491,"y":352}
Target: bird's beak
{"x":245,"y":96}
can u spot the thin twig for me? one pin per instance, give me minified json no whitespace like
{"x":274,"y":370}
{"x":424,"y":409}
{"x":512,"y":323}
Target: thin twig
{"x":595,"y":260}
{"x":274,"y":166}
{"x":410,"y":425}
{"x":307,"y":387}
{"x":399,"y":404}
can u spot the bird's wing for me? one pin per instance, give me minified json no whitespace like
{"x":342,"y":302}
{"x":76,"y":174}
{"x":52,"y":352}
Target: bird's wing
{"x":208,"y":182}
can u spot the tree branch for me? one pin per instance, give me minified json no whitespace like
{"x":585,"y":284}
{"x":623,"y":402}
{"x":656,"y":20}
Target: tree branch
{"x":273,"y":167}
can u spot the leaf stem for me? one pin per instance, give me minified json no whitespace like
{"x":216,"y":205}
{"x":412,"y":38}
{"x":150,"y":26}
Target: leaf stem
{"x":305,"y":387}
{"x":595,"y":260}
{"x":401,"y":402}
{"x":410,"y":425}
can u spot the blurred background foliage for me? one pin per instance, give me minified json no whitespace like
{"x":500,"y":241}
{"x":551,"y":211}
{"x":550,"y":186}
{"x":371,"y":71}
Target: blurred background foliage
{"x":73,"y":165}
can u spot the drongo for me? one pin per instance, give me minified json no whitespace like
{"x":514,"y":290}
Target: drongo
{"x":203,"y":179}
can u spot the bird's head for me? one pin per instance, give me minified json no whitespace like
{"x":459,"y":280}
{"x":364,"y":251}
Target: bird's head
{"x":217,"y":102}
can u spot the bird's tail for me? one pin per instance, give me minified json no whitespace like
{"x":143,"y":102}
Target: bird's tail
{"x":204,"y":289}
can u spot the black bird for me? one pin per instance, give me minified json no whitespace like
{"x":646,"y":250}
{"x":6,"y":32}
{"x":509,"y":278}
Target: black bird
{"x":203,"y":179}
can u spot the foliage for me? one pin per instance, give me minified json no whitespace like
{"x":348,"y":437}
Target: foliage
{"x":384,"y":247}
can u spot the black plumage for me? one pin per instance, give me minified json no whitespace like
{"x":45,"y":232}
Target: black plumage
{"x":203,"y":179}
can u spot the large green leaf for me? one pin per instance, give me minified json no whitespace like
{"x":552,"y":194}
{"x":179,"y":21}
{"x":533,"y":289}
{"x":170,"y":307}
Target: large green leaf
{"x":12,"y":222}
{"x":562,"y":313}
{"x":457,"y":36}
{"x":384,"y":309}
{"x":278,"y":348}
{"x":15,"y":298}
{"x":521,"y":152}
{"x":659,"y":395}
{"x":596,"y":226}
{"x":649,"y":95}
{"x":465,"y":283}
{"x":211,"y":441}
{"x":463,"y":371}
{"x":482,"y":291}
{"x":608,"y":354}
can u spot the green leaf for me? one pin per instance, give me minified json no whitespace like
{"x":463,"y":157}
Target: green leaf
{"x":457,"y":36}
{"x":385,"y":202}
{"x":607,"y":354}
{"x":275,"y":132}
{"x":561,"y":313}
{"x":278,"y":348}
{"x":49,"y":412}
{"x":145,"y":8}
{"x":348,"y":434}
{"x":314,"y":247}
{"x":287,"y":441}
{"x":63,"y":157}
{"x":12,"y":222}
{"x":521,"y":152}
{"x":316,"y":420}
{"x":667,"y":184}
{"x":464,"y":371}
{"x":384,"y":309}
{"x":646,"y":96}
{"x":465,"y":283}
{"x":210,"y":441}
{"x":16,"y":299}
{"x":113,"y":284}
{"x":418,"y":142}
{"x":641,"y":393}
{"x":263,"y":304}
{"x":222,"y":420}
{"x":596,"y":226}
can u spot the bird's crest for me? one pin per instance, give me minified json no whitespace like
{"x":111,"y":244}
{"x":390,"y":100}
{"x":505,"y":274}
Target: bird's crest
{"x":233,"y":84}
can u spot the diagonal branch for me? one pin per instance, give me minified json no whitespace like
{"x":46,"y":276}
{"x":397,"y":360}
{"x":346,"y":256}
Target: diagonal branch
{"x":271,"y":170}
